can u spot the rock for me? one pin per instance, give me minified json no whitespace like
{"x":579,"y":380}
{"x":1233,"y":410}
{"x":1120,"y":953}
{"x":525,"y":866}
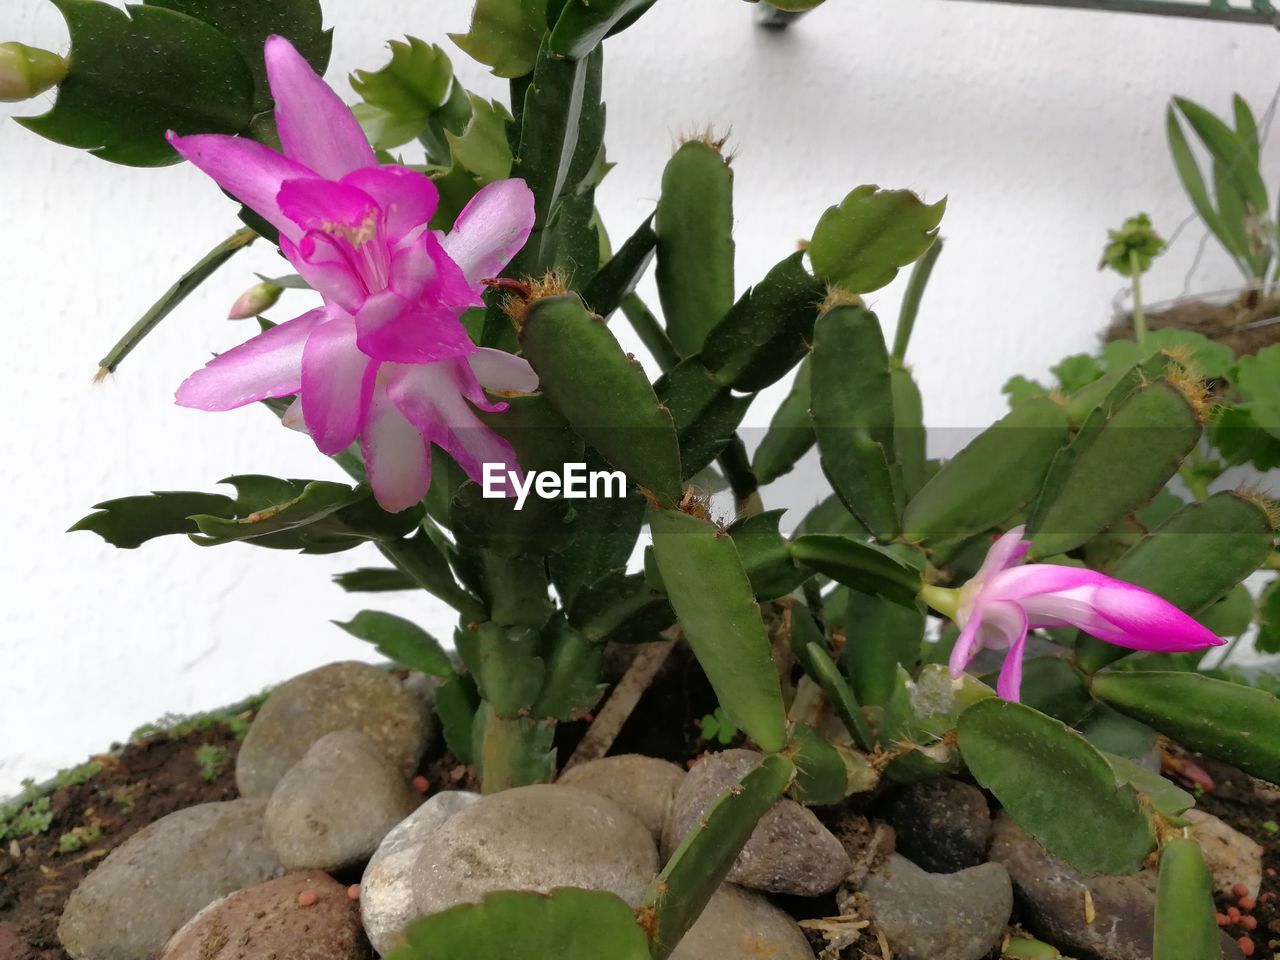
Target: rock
{"x":939,"y":916}
{"x":942,"y":826}
{"x":1231,"y":857}
{"x":267,"y":921}
{"x":534,"y":838}
{"x":790,"y":850}
{"x":1052,"y":895}
{"x":739,"y":923}
{"x":341,"y":696}
{"x":333,"y":807}
{"x":387,"y":902}
{"x":643,"y":786}
{"x":154,"y":882}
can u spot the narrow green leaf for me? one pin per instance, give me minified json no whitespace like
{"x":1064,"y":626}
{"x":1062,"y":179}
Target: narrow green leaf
{"x":1186,"y":922}
{"x":706,"y":413}
{"x":767,"y":332}
{"x":456,"y":703}
{"x":880,"y":635}
{"x":858,"y":564}
{"x":1193,"y":183}
{"x":373,"y":580}
{"x":861,"y":244}
{"x":400,"y":641}
{"x":1038,"y":768}
{"x":583,"y":24}
{"x":766,"y":555}
{"x":709,"y":589}
{"x":129,"y":522}
{"x":183,"y":288}
{"x":1228,"y":149}
{"x":619,"y":276}
{"x":702,"y":861}
{"x":790,"y":434}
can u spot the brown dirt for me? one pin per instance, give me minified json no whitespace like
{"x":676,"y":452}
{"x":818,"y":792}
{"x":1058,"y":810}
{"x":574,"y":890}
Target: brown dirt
{"x":1221,"y":322}
{"x":151,"y":778}
{"x":1254,"y":810}
{"x":137,"y":785}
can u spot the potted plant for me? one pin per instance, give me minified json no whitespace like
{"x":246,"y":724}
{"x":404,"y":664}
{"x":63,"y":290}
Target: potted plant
{"x":883,"y":792}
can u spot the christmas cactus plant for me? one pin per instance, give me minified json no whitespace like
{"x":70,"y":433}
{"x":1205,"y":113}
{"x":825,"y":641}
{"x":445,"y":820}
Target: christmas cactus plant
{"x":460,"y":365}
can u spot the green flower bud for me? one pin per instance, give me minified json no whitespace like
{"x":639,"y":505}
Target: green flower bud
{"x":26,"y":72}
{"x":255,"y":300}
{"x":1131,"y":249}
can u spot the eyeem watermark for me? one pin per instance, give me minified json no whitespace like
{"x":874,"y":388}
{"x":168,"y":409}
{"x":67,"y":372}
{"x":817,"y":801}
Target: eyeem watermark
{"x":573,"y":482}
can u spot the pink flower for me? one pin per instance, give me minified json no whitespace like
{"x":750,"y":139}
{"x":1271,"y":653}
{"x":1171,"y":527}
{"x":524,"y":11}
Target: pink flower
{"x":386,"y":360}
{"x":1003,"y":601}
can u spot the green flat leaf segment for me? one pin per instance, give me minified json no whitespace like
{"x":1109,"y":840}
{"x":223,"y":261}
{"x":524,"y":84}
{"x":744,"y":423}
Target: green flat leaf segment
{"x":135,"y":75}
{"x":567,"y":924}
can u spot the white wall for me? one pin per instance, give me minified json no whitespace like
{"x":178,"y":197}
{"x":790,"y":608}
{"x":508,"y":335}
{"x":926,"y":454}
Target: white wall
{"x":1043,"y":127}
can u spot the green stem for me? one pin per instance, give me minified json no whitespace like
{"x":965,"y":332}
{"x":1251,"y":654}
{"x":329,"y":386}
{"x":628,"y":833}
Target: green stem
{"x":513,"y":752}
{"x":911,"y":299}
{"x":185,"y":286}
{"x":414,"y":558}
{"x":650,"y":331}
{"x":1139,"y":318}
{"x":736,"y":465}
{"x":942,"y":599}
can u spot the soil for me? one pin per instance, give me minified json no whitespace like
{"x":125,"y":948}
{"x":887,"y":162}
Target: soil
{"x":150,"y":778}
{"x":1254,"y":810}
{"x":137,"y":785}
{"x":1220,"y":322}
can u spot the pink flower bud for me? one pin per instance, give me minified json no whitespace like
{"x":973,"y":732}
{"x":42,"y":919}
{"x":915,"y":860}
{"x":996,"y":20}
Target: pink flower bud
{"x":261,"y":296}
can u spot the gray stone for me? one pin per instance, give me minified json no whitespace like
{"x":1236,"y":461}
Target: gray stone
{"x":939,"y":916}
{"x":341,"y":696}
{"x":268,"y":921}
{"x":643,"y":786}
{"x":335,"y":805}
{"x":387,"y":901}
{"x":1231,"y":857}
{"x":154,"y":882}
{"x":942,"y":826}
{"x":790,"y":850}
{"x":740,"y":924}
{"x":534,"y":838}
{"x":1053,"y":901}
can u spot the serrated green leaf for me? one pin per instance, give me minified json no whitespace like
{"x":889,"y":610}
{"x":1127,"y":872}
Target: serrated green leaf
{"x":400,"y":641}
{"x":858,"y":564}
{"x":861,"y":244}
{"x":505,"y":35}
{"x":136,"y":75}
{"x":706,"y":413}
{"x":248,"y":24}
{"x":790,"y":434}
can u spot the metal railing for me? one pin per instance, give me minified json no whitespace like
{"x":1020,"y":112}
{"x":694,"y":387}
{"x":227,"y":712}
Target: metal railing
{"x":1259,"y":11}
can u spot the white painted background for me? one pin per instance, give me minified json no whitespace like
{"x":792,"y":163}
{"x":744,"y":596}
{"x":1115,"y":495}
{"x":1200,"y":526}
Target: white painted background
{"x":1043,"y":127}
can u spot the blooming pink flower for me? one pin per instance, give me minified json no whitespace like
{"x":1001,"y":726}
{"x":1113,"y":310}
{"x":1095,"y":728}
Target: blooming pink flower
{"x":1003,"y":601}
{"x":386,"y":360}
